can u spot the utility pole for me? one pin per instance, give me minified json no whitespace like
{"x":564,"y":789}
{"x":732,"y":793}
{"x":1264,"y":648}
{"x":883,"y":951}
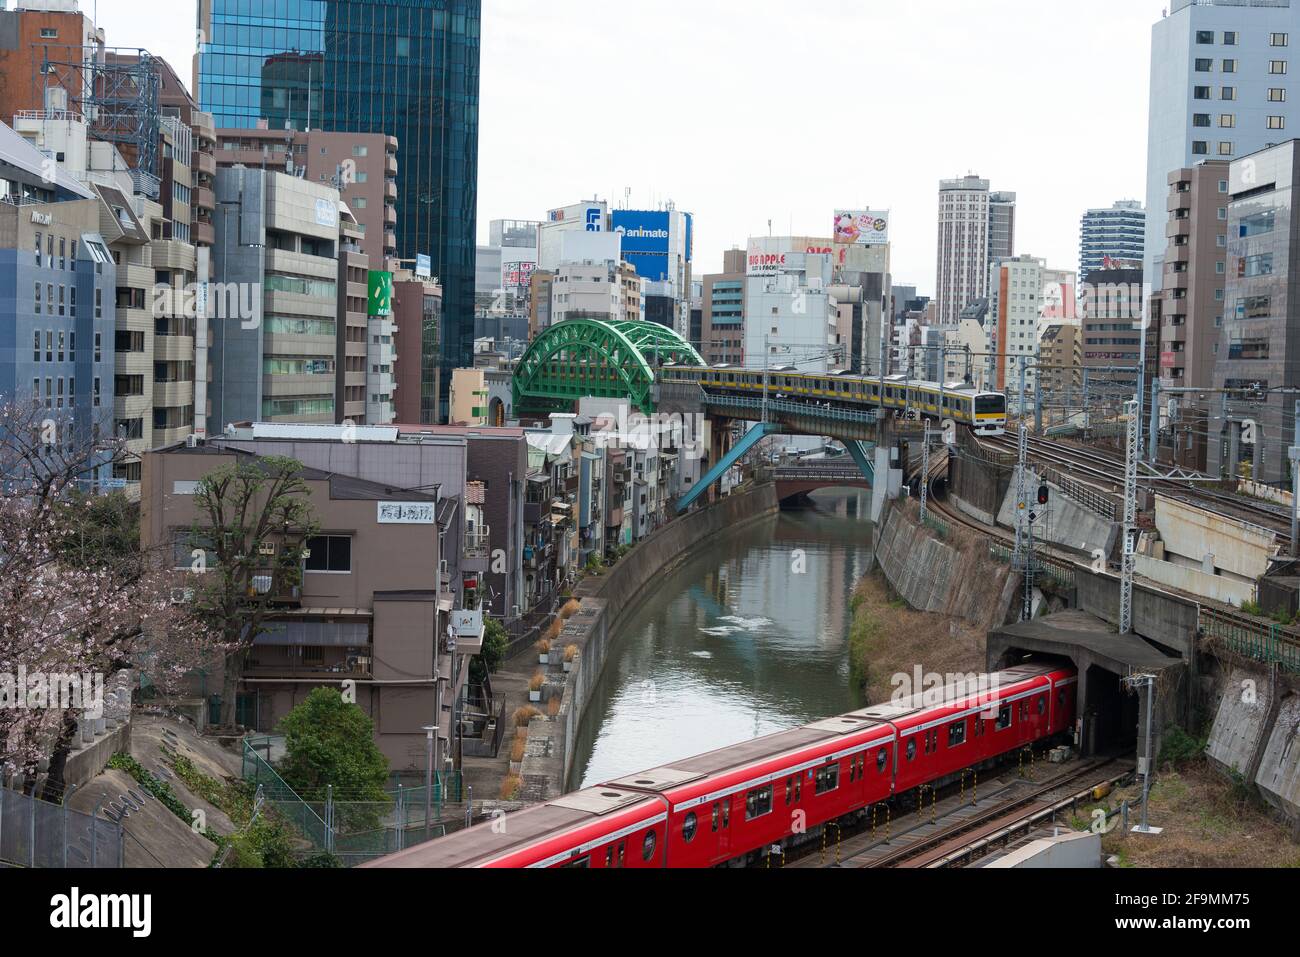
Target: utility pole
{"x":1153,"y":438}
{"x":1130,"y":518}
{"x":1295,"y":485}
{"x":766,"y":351}
{"x":1148,"y":682}
{"x":1024,"y":558}
{"x":925,"y":471}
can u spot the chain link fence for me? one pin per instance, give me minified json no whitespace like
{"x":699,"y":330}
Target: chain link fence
{"x":35,"y":833}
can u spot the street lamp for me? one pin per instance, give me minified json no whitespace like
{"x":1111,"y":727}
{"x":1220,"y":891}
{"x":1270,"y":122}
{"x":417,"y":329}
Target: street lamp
{"x":430,"y":732}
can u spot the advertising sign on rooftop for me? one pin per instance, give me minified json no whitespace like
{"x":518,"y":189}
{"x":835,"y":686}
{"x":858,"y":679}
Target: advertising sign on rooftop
{"x":863,"y":227}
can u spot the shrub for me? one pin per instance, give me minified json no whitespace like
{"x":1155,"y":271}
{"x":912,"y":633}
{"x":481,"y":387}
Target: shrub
{"x":570,"y":609}
{"x":544,"y":646}
{"x":1179,"y":748}
{"x":519,"y":748}
{"x":510,"y":787}
{"x":553,"y":706}
{"x":570,"y":653}
{"x":537,"y":682}
{"x":330,"y":741}
{"x":524,"y":716}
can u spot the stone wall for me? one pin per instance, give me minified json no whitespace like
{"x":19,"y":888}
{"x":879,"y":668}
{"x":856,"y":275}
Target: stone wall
{"x":945,"y":573}
{"x":605,"y":600}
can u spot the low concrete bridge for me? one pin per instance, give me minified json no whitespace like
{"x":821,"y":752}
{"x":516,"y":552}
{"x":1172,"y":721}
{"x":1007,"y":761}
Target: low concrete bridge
{"x":801,"y":478}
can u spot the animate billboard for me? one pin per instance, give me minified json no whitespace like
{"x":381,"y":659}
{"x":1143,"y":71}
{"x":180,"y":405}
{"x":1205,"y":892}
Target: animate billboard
{"x":861,"y":227}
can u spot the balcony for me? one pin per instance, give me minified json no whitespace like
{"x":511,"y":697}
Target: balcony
{"x":390,"y":216}
{"x":204,"y":198}
{"x":1179,"y":201}
{"x":204,"y":163}
{"x":390,"y":190}
{"x":390,"y":164}
{"x":390,"y":242}
{"x":477,"y":553}
{"x":1178,"y":227}
{"x":203,"y":233}
{"x":270,"y":661}
{"x":173,"y":348}
{"x":173,"y":394}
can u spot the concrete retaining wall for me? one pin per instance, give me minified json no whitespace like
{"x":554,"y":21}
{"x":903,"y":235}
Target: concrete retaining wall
{"x":950,"y":575}
{"x":605,"y":600}
{"x":1068,"y":523}
{"x":1279,"y":770}
{"x":1230,"y":591}
{"x":1238,"y":549}
{"x":1241,"y":723}
{"x":1168,"y":619}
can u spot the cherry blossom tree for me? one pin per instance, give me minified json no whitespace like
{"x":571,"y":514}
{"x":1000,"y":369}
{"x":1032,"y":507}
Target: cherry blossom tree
{"x":76,"y":598}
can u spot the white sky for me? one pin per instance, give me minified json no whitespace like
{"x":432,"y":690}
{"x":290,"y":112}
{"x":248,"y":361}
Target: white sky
{"x":780,"y":110}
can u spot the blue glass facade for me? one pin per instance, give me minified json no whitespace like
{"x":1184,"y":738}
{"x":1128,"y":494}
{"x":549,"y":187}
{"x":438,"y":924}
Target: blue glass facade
{"x":405,"y":68}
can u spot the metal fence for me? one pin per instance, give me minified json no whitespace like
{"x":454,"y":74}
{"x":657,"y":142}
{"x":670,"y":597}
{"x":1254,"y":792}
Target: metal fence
{"x":355,"y":831}
{"x":34,"y":833}
{"x":1268,"y":644}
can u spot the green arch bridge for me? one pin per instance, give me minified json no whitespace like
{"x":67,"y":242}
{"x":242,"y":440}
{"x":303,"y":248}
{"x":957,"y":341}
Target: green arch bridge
{"x":578,"y":358}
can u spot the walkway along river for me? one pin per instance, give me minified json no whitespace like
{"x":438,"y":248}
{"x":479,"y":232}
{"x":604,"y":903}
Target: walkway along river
{"x":747,"y":637}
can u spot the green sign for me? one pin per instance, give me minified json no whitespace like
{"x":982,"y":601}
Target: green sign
{"x":381,"y":293}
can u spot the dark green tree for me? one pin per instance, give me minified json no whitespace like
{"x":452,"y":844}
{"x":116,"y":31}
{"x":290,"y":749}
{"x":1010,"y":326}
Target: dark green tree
{"x":496,"y":641}
{"x":329,"y":741}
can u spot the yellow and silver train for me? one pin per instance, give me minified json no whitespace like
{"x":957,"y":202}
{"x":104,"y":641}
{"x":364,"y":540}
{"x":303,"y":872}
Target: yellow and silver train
{"x":985,"y":412}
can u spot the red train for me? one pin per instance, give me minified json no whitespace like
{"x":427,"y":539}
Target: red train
{"x":729,"y":806}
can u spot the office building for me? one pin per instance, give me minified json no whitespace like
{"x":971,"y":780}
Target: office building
{"x":1219,"y":90}
{"x":417,"y":314}
{"x":1002,"y":225}
{"x":1112,"y":322}
{"x":722,"y":336}
{"x":407,"y":69}
{"x":57,"y":305}
{"x":1259,"y":349}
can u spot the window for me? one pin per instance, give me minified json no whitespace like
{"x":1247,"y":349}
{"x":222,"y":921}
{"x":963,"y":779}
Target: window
{"x":38,"y":249}
{"x":1200,"y":119}
{"x":828,"y":778}
{"x":758,"y":803}
{"x":1277,"y":94}
{"x":99,"y":356}
{"x":1200,"y":147}
{"x":1248,"y":267}
{"x":1278,"y":39}
{"x":648,"y":846}
{"x":1227,"y":120}
{"x":359,"y":151}
{"x":1204,"y":36}
{"x":1201,"y":92}
{"x":1042,"y":704}
{"x":911,"y":749}
{"x":95,"y":403}
{"x":52,"y":33}
{"x":1257,"y":224}
{"x":1225,"y":148}
{"x":1229,"y":66}
{"x":1204,"y":65}
{"x":1228,"y":93}
{"x":330,"y":554}
{"x":36,"y":351}
{"x":1230,"y":38}
{"x":1004,"y":718}
{"x":1254,"y":307}
{"x":1276,"y":123}
{"x":882,"y":760}
{"x":1277,"y":67}
{"x":957,"y":733}
{"x":38,"y":297}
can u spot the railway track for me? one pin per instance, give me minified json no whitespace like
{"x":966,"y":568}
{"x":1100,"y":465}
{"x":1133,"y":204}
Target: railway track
{"x":1106,"y":472}
{"x":973,"y":835}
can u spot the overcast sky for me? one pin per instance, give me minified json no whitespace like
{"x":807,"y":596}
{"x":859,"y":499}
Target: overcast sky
{"x":776,"y":110}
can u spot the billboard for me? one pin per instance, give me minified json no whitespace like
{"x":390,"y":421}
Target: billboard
{"x":861,"y":227}
{"x":647,"y":238}
{"x":423,"y":266}
{"x":381,"y":293}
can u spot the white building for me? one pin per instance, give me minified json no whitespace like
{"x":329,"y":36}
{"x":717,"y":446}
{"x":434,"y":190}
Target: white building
{"x":1117,"y":234}
{"x":791,"y":318}
{"x":588,"y":217}
{"x":963,"y":246}
{"x":1219,"y":89}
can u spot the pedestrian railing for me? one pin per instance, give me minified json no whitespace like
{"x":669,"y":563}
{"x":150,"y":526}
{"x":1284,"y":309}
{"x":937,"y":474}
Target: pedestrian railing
{"x":1258,"y":641}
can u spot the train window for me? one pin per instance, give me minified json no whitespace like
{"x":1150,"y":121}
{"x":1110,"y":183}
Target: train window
{"x":828,"y":778}
{"x":1004,"y":717}
{"x":580,"y":862}
{"x":648,"y":846}
{"x":957,"y":733}
{"x":789,"y":790}
{"x":853,"y":770}
{"x":690,"y":826}
{"x":882,"y":759}
{"x":609,"y":856}
{"x":1060,"y":698}
{"x":1024,"y":711}
{"x":758,"y":803}
{"x":979,"y":727}
{"x":798,"y":789}
{"x":1042,"y":704}
{"x":726,"y":813}
{"x":911,"y":749}
{"x":716,"y":816}
{"x":622,"y":855}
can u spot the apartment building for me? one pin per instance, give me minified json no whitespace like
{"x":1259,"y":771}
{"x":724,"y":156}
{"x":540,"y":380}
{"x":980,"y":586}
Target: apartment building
{"x":1060,"y":357}
{"x":962,"y":274}
{"x":417,"y":315}
{"x":1112,"y":326}
{"x":1117,"y":234}
{"x":370,"y":608}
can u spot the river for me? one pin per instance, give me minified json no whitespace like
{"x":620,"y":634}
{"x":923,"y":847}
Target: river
{"x":749,"y":636}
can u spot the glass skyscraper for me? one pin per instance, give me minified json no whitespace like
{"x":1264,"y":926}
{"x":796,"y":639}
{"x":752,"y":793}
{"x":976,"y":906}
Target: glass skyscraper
{"x":406,"y":68}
